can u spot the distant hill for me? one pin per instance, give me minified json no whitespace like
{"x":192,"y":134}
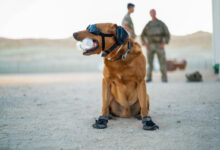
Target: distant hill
{"x":60,"y":55}
{"x":42,"y":43}
{"x":198,"y":39}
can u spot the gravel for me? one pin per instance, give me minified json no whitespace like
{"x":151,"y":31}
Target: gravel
{"x":56,"y":112}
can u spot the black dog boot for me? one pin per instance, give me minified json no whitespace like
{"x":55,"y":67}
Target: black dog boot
{"x":148,"y":124}
{"x":101,"y":123}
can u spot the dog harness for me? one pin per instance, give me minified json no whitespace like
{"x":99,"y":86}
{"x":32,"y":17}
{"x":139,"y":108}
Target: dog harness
{"x":121,"y":38}
{"x":123,"y":57}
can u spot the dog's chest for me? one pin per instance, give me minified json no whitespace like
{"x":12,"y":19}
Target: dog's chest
{"x":119,"y":76}
{"x":124,"y":76}
{"x":124,"y":89}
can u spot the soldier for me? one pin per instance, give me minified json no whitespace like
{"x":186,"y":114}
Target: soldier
{"x":127,"y":22}
{"x":154,"y":36}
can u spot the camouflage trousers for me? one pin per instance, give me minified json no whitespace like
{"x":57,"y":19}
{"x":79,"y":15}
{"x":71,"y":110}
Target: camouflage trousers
{"x":155,"y":48}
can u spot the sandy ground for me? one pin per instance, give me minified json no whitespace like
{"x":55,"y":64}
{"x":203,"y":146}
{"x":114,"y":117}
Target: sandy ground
{"x":56,"y":111}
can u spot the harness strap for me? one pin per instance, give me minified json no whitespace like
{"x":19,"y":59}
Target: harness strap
{"x":105,"y":53}
{"x":103,"y":42}
{"x":103,"y":35}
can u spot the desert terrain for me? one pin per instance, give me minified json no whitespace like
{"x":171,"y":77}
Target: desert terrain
{"x":50,"y":95}
{"x":56,"y":111}
{"x":61,"y":55}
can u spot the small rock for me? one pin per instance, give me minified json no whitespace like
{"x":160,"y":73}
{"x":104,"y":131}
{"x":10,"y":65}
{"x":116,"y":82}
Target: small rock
{"x":178,"y":121}
{"x":169,"y":106}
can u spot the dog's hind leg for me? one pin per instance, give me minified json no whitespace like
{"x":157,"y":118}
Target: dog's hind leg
{"x":135,"y":110}
{"x":115,"y":108}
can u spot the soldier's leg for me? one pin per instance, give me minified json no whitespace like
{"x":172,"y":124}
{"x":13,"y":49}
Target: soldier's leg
{"x":150,"y":59}
{"x":162,"y":60}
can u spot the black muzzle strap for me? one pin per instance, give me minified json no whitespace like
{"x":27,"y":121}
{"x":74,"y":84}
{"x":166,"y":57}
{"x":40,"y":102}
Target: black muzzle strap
{"x":121,"y":37}
{"x":103,"y":35}
{"x":105,"y":53}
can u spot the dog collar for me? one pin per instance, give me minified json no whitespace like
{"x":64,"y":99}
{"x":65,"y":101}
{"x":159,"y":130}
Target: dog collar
{"x":123,"y":56}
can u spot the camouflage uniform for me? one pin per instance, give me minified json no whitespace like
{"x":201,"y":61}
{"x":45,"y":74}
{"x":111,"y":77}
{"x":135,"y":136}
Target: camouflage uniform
{"x":128,"y":22}
{"x":155,"y":33}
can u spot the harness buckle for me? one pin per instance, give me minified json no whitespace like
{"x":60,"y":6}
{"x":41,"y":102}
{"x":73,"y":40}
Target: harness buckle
{"x":123,"y":57}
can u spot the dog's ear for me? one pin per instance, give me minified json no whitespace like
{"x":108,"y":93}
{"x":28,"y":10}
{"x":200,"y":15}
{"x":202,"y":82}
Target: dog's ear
{"x":121,"y":35}
{"x":114,"y":26}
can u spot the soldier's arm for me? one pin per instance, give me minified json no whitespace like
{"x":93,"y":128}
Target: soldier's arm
{"x":125,"y":24}
{"x":166,"y":37}
{"x":144,"y":35}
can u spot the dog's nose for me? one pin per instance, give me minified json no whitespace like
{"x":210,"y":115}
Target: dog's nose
{"x":75,"y":35}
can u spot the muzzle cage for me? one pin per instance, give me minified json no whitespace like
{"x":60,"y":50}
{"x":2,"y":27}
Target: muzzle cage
{"x":94,"y":30}
{"x":119,"y":41}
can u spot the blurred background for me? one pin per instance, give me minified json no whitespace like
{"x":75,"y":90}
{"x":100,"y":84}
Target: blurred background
{"x":36,"y":35}
{"x":50,"y":93}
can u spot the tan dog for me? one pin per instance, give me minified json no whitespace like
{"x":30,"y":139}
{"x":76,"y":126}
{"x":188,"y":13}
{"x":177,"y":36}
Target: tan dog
{"x":123,"y":86}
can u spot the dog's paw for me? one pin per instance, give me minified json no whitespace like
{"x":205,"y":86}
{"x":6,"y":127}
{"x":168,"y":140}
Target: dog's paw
{"x":101,"y":123}
{"x":148,"y":124}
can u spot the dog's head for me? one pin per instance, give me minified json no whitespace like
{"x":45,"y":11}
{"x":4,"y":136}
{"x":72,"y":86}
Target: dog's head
{"x":103,"y":35}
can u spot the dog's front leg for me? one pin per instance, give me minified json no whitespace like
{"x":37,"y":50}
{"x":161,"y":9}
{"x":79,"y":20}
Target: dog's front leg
{"x":143,"y":99}
{"x":106,"y":97}
{"x":101,"y":123}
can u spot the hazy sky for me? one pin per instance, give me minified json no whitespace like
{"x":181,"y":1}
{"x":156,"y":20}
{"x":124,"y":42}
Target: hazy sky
{"x":60,"y":18}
